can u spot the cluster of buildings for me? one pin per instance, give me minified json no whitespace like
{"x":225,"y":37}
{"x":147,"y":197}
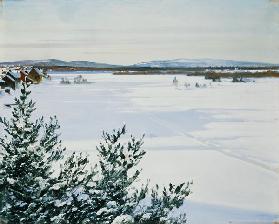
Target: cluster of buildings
{"x":11,"y":79}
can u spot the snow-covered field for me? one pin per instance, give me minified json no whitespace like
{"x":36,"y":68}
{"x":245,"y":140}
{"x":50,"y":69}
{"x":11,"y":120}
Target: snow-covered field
{"x":224,"y":137}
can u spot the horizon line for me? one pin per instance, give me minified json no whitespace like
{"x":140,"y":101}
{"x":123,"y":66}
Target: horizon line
{"x":148,"y":61}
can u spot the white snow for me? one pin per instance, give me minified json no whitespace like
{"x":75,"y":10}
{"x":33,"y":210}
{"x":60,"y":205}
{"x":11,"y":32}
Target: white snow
{"x":11,"y":181}
{"x":223,"y":137}
{"x":123,"y":219}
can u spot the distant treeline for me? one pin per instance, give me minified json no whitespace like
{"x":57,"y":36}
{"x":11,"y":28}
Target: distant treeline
{"x":240,"y":74}
{"x":221,"y":72}
{"x":216,"y":73}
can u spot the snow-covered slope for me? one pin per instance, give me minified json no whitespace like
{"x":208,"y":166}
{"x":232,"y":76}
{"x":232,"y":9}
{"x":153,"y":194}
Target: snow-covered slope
{"x":190,"y":63}
{"x":223,"y":136}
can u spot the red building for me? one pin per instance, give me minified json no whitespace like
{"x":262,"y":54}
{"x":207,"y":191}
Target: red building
{"x":23,"y":75}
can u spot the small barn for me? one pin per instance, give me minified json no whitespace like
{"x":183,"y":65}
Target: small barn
{"x":14,"y":75}
{"x":9,"y":82}
{"x":35,"y":75}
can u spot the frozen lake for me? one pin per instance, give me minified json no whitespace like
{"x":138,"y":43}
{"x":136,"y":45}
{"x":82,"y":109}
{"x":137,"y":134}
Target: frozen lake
{"x":224,"y":137}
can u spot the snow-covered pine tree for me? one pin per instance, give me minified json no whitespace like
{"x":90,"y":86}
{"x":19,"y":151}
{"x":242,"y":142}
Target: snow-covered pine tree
{"x":69,"y":201}
{"x":115,"y":196}
{"x":30,"y":190}
{"x":23,"y":167}
{"x":161,"y":208}
{"x":112,"y":193}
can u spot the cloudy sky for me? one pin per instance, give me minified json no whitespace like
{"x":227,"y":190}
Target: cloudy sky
{"x":130,"y":31}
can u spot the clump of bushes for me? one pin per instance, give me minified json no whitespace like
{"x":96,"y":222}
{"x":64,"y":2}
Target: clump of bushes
{"x":215,"y":77}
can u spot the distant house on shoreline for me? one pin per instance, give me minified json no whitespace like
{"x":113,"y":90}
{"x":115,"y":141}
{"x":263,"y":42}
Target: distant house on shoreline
{"x":35,"y":76}
{"x":10,"y":82}
{"x":23,"y":75}
{"x":14,"y":75}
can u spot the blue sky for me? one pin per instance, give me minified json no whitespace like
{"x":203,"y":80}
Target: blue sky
{"x":130,"y":31}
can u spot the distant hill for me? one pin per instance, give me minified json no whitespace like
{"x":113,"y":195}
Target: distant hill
{"x":55,"y":62}
{"x":192,"y":63}
{"x":176,"y":63}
